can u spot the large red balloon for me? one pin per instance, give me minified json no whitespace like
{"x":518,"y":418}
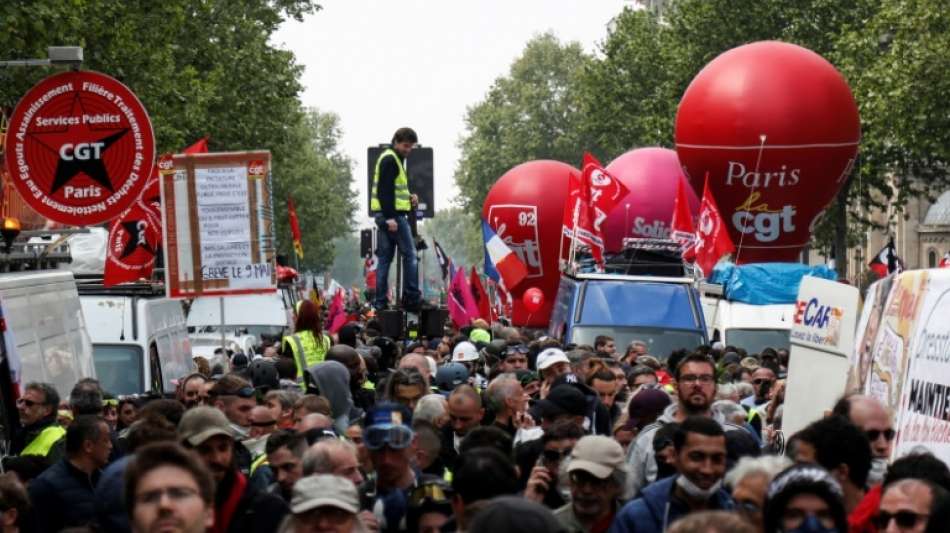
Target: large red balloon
{"x":776,"y":128}
{"x":525,"y":208}
{"x":652,"y":176}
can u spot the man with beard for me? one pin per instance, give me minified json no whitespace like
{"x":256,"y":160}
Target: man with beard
{"x":695,"y":391}
{"x":597,"y":477}
{"x":700,"y":448}
{"x":238,"y":506}
{"x":285,"y":451}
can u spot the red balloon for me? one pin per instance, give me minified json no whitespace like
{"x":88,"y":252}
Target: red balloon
{"x":776,"y":128}
{"x":652,"y":176}
{"x":532,"y":299}
{"x":525,"y":208}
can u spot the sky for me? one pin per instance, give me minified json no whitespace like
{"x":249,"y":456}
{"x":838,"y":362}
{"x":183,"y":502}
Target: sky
{"x":381,"y":65}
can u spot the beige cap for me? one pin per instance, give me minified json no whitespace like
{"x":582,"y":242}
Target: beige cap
{"x":749,"y":362}
{"x":598,"y":455}
{"x":199,"y":424}
{"x":324,"y":490}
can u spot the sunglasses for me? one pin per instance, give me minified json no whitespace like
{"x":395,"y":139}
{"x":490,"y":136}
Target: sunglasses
{"x":396,"y":437}
{"x":760,"y":381}
{"x":553,"y":456}
{"x":874,"y":434}
{"x":243,"y":392}
{"x":434,"y":492}
{"x":905,"y":519}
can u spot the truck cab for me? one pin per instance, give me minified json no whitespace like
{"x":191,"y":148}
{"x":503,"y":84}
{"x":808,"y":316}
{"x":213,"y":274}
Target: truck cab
{"x":636,"y":298}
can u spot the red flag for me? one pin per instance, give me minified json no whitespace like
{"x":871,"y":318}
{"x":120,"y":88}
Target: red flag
{"x":200,"y":146}
{"x":481,"y":297}
{"x":294,"y":227}
{"x":132,"y":246}
{"x":590,"y":201}
{"x":712,"y":237}
{"x":369,"y":272}
{"x":336,"y":316}
{"x":461,"y":303}
{"x":682,"y":230}
{"x":576,"y":219}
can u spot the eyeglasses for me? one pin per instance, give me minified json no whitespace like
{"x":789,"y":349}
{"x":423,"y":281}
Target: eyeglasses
{"x":553,"y":456}
{"x":874,"y":434}
{"x":704,"y":379}
{"x":433,"y":492}
{"x":175,"y":494}
{"x":396,"y":437}
{"x":905,"y":519}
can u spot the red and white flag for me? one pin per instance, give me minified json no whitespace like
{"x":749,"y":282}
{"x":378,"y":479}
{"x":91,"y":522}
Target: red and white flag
{"x":682,"y":230}
{"x":588,"y":205}
{"x":712,"y":236}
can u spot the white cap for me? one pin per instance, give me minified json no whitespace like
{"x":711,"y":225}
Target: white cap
{"x":464,"y":352}
{"x":551,"y":356}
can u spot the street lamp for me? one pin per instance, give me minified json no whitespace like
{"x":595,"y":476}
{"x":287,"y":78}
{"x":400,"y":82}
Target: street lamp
{"x":66,"y":56}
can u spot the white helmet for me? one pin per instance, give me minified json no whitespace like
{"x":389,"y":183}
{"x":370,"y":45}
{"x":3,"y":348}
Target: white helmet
{"x":464,"y":352}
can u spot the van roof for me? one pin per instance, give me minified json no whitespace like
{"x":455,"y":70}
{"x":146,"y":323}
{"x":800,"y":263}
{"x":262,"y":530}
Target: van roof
{"x":241,"y":310}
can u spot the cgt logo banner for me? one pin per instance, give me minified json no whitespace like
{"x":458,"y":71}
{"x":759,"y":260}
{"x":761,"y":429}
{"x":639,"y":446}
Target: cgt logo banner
{"x":132,"y":245}
{"x":80,"y":148}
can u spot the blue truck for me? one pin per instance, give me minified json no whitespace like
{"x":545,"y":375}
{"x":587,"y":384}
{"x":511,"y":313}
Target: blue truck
{"x":639,"y":297}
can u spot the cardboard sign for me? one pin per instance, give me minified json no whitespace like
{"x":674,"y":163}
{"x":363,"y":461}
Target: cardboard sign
{"x":218,"y":225}
{"x":80,"y":148}
{"x":822,"y":339}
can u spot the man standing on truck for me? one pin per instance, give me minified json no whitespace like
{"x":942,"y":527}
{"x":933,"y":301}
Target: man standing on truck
{"x":41,"y":437}
{"x":391,"y":202}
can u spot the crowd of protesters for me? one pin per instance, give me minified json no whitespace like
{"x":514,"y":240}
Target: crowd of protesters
{"x":489,"y":428}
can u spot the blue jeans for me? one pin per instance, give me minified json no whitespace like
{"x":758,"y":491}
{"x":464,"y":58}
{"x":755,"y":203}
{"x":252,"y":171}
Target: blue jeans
{"x":386,"y":244}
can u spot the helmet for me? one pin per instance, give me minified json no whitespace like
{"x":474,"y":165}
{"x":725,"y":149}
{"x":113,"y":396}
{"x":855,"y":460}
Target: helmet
{"x":263,"y":374}
{"x":450,"y":375}
{"x":464,"y":352}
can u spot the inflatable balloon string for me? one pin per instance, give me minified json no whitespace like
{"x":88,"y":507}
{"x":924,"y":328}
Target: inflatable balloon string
{"x":758,"y":161}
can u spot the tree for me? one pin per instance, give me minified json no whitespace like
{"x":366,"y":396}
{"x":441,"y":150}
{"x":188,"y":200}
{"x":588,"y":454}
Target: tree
{"x":529,"y":114}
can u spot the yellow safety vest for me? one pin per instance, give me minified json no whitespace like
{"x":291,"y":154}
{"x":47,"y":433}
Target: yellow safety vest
{"x":307,"y":351}
{"x":44,"y":441}
{"x":403,"y":202}
{"x":260,"y":461}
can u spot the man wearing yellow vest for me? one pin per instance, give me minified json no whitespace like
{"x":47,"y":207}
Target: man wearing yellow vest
{"x":41,"y":436}
{"x":392,"y":202}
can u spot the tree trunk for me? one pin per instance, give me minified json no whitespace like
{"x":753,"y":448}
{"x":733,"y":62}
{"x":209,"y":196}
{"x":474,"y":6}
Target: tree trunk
{"x":839,"y":215}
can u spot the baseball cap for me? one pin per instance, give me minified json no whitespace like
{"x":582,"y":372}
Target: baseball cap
{"x":388,"y":424}
{"x":647,"y":403}
{"x":324,"y":490}
{"x":750,"y":362}
{"x":563,"y":399}
{"x":464,"y":352}
{"x":598,"y":455}
{"x":551,"y":356}
{"x":514,"y":514}
{"x":199,"y":424}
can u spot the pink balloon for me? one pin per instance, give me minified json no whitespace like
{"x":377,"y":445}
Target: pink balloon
{"x":652,"y":176}
{"x":533,"y":299}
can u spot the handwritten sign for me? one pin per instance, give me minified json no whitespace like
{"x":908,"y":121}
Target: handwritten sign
{"x":219,"y":225}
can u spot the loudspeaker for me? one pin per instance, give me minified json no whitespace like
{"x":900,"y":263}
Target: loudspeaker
{"x":432,"y":322}
{"x":391,"y":323}
{"x":366,"y":242}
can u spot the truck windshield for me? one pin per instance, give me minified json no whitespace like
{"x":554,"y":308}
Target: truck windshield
{"x":119,"y":368}
{"x":661,"y":341}
{"x":755,"y":340}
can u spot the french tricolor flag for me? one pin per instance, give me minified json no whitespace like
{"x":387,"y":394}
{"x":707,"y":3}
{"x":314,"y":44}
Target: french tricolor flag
{"x":501,"y":264}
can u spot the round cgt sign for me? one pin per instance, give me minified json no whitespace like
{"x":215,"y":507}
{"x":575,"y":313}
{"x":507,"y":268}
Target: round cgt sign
{"x":80,"y":148}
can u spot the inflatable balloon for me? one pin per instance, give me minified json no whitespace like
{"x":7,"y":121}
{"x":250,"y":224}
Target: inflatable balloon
{"x":525,"y":208}
{"x":652,"y":176}
{"x":532,"y":299}
{"x":776,"y":128}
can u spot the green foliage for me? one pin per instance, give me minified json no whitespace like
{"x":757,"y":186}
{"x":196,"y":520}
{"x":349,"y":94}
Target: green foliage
{"x":459,"y":232}
{"x":203,"y":69}
{"x":529,"y":114}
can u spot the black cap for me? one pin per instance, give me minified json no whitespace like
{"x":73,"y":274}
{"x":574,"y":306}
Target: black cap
{"x":513,"y":514}
{"x":563,"y":400}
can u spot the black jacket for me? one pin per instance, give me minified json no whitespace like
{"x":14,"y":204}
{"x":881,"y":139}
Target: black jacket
{"x":63,"y":496}
{"x":447,"y":455}
{"x":257,"y":511}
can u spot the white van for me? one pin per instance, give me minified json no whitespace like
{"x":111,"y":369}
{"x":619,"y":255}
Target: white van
{"x":44,"y":330}
{"x":248,"y":319}
{"x":139,"y":338}
{"x":752,"y":327}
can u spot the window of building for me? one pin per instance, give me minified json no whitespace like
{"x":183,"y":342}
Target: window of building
{"x":932,"y":258}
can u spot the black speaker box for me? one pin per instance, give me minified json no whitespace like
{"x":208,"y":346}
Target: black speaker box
{"x":391,"y":322}
{"x":432,"y":322}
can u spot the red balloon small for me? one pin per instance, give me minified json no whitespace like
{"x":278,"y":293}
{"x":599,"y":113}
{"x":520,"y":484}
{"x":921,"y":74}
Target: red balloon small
{"x":533,"y":299}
